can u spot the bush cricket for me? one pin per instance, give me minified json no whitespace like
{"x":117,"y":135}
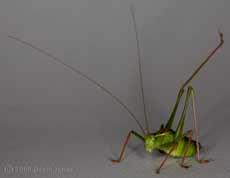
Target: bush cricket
{"x":175,"y":143}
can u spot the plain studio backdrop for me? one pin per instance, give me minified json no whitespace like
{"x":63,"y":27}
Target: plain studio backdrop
{"x":55,"y":123}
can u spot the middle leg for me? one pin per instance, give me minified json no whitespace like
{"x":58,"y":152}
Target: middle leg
{"x":189,"y":135}
{"x":166,"y":157}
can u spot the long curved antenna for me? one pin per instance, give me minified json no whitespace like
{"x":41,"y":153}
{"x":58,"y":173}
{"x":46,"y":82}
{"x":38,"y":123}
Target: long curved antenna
{"x":58,"y":60}
{"x":139,"y":65}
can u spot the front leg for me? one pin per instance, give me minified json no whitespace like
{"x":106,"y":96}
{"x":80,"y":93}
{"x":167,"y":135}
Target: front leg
{"x":124,"y":145}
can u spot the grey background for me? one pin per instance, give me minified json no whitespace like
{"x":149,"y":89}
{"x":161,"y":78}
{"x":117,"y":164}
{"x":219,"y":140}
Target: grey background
{"x":51,"y":117}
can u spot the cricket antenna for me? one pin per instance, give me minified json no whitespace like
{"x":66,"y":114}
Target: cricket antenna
{"x":60,"y":61}
{"x":221,"y":36}
{"x":139,"y":66}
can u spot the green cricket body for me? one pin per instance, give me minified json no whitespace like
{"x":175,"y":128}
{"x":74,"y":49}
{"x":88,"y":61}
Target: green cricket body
{"x":163,"y":141}
{"x":174,"y":143}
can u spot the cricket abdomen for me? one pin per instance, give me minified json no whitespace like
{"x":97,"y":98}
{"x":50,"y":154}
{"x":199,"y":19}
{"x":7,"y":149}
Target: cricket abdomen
{"x":180,"y":148}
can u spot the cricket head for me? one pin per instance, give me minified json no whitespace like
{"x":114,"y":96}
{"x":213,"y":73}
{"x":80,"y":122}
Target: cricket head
{"x":150,"y":143}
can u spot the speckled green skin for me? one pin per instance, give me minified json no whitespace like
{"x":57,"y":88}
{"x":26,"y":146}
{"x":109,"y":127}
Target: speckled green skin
{"x":165,"y":138}
{"x":164,"y":141}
